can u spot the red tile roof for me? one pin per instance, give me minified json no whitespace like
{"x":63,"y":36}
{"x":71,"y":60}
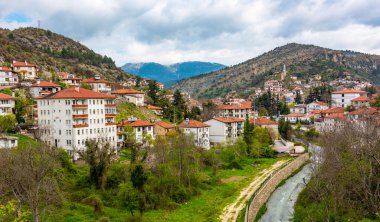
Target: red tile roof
{"x":363,"y":111}
{"x":22,"y":64}
{"x":153,"y":107}
{"x":336,"y":116}
{"x":361,"y":99}
{"x":345,"y":91}
{"x":72,"y":93}
{"x":45,"y":84}
{"x":5,"y":69}
{"x":192,"y":124}
{"x":93,"y":80}
{"x":242,"y":105}
{"x":6,"y":97}
{"x":295,"y":115}
{"x":127,"y":91}
{"x":164,"y":125}
{"x":321,"y":103}
{"x":137,"y":123}
{"x":262,"y":121}
{"x":228,"y":119}
{"x":333,"y":110}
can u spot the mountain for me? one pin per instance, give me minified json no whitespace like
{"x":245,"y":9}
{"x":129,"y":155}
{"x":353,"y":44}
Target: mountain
{"x":302,"y":61}
{"x":170,"y":73}
{"x":52,"y":52}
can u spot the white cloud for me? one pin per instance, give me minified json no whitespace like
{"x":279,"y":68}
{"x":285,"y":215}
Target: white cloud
{"x":225,"y":31}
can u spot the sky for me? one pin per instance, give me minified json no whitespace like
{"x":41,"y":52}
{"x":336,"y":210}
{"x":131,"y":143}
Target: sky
{"x":223,"y":31}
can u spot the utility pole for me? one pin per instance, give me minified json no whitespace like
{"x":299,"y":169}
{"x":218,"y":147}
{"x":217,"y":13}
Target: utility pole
{"x":39,"y":24}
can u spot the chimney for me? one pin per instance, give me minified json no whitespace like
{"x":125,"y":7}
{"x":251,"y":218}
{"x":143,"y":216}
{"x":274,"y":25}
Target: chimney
{"x":38,"y":81}
{"x":13,"y":93}
{"x":76,"y":88}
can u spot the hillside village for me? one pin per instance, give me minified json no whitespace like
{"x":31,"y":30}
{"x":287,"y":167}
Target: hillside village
{"x":67,"y":110}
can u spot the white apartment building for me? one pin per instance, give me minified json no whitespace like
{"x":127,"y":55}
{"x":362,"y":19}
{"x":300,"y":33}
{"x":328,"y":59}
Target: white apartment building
{"x":317,"y":105}
{"x":223,"y":129}
{"x":298,"y":109}
{"x":7,"y":77}
{"x":41,"y":88}
{"x":343,"y":98}
{"x":99,"y":85}
{"x":26,"y":70}
{"x":130,"y":95}
{"x":140,"y":128}
{"x":199,"y":130}
{"x":70,"y":79}
{"x":7,"y":104}
{"x":71,"y":116}
{"x":236,"y":109}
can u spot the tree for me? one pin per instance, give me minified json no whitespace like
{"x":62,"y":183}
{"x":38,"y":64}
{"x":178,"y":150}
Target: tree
{"x":209,"y":110}
{"x":98,"y":157}
{"x":7,"y":91}
{"x":27,"y":174}
{"x":139,"y":178}
{"x":283,"y":108}
{"x":284,"y":128}
{"x":298,"y":98}
{"x":179,"y":105}
{"x":128,"y":197}
{"x":153,"y":91}
{"x":195,"y":113}
{"x":248,"y":135}
{"x":7,"y":123}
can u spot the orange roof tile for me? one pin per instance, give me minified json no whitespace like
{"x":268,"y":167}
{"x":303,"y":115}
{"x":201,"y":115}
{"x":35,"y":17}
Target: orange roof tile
{"x":93,"y":80}
{"x":295,"y":115}
{"x":127,"y":91}
{"x":262,"y":121}
{"x":5,"y":69}
{"x":22,"y":64}
{"x":345,"y":91}
{"x":72,"y":93}
{"x":333,"y":110}
{"x":153,"y":107}
{"x":363,"y":111}
{"x":336,"y":116}
{"x":361,"y":99}
{"x":45,"y":84}
{"x":164,"y":125}
{"x":6,"y":97}
{"x":137,"y":123}
{"x":192,"y":124}
{"x":242,"y":105}
{"x":228,"y":119}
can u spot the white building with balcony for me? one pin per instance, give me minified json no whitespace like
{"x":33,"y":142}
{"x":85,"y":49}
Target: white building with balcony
{"x":27,"y":71}
{"x":199,"y":130}
{"x":7,"y":77}
{"x":7,"y":104}
{"x":343,"y":98}
{"x":41,"y":88}
{"x":224,"y":129}
{"x":99,"y":85}
{"x":71,"y":116}
{"x":130,"y":95}
{"x":236,"y":109}
{"x":140,"y":129}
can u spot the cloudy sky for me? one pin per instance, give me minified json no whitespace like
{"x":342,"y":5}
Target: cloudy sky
{"x":224,"y":31}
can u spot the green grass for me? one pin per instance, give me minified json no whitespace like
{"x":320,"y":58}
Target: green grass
{"x":207,"y":206}
{"x":24,"y":140}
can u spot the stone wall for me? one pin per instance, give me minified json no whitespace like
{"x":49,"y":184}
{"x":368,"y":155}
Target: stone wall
{"x":269,"y":186}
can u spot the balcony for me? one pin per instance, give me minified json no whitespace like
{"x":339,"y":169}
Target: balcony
{"x":110,"y":124}
{"x":110,"y":105}
{"x":80,"y":106}
{"x":110,"y":114}
{"x":80,"y":125}
{"x":80,"y":116}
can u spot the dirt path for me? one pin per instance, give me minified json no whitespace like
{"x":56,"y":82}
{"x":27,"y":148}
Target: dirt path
{"x":231,"y":212}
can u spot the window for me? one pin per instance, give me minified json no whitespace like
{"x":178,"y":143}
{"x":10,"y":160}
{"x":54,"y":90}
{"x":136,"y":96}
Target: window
{"x":342,"y":95}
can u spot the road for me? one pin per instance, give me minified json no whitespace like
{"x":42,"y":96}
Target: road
{"x":281,"y":203}
{"x":231,"y":212}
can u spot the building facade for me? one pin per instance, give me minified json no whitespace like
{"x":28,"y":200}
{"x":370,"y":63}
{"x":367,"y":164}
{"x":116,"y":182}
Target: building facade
{"x":130,"y":95}
{"x":140,"y":129}
{"x":343,"y":98}
{"x":25,"y":70}
{"x":236,"y":109}
{"x":224,"y":129}
{"x":7,"y":77}
{"x":99,"y":85}
{"x":7,"y":104}
{"x":199,"y":130}
{"x":41,"y":88}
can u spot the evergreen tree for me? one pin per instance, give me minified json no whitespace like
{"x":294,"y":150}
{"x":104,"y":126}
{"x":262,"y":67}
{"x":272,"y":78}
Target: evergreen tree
{"x":248,"y":135}
{"x":298,"y":98}
{"x":179,"y":105}
{"x":153,"y":91}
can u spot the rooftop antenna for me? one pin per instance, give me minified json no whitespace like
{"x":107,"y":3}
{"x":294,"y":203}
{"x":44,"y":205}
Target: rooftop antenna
{"x":39,"y":24}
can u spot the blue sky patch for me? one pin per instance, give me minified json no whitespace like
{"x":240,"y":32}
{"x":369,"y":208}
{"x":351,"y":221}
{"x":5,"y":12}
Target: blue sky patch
{"x":16,"y":17}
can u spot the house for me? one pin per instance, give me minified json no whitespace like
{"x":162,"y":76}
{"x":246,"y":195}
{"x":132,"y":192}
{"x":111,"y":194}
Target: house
{"x":298,"y":109}
{"x":7,"y":77}
{"x":294,"y":117}
{"x":327,"y":112}
{"x":236,"y":109}
{"x":43,"y":88}
{"x":343,"y":98}
{"x":129,"y":83}
{"x":274,"y":86}
{"x":130,"y":95}
{"x":160,"y":85}
{"x":361,"y":101}
{"x":271,"y":125}
{"x":7,"y":104}
{"x":99,"y":85}
{"x":26,"y":71}
{"x":199,"y":130}
{"x":157,"y":110}
{"x":316,"y":105}
{"x":223,"y":129}
{"x":70,"y":79}
{"x":162,"y":128}
{"x":7,"y":142}
{"x":333,"y":122}
{"x":363,"y":113}
{"x":140,"y":129}
{"x":70,"y":117}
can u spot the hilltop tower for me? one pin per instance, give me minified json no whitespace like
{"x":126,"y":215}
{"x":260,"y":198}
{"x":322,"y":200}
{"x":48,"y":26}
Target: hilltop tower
{"x":283,"y":74}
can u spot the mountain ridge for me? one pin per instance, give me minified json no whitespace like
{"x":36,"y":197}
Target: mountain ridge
{"x":302,"y":60}
{"x":168,"y":74}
